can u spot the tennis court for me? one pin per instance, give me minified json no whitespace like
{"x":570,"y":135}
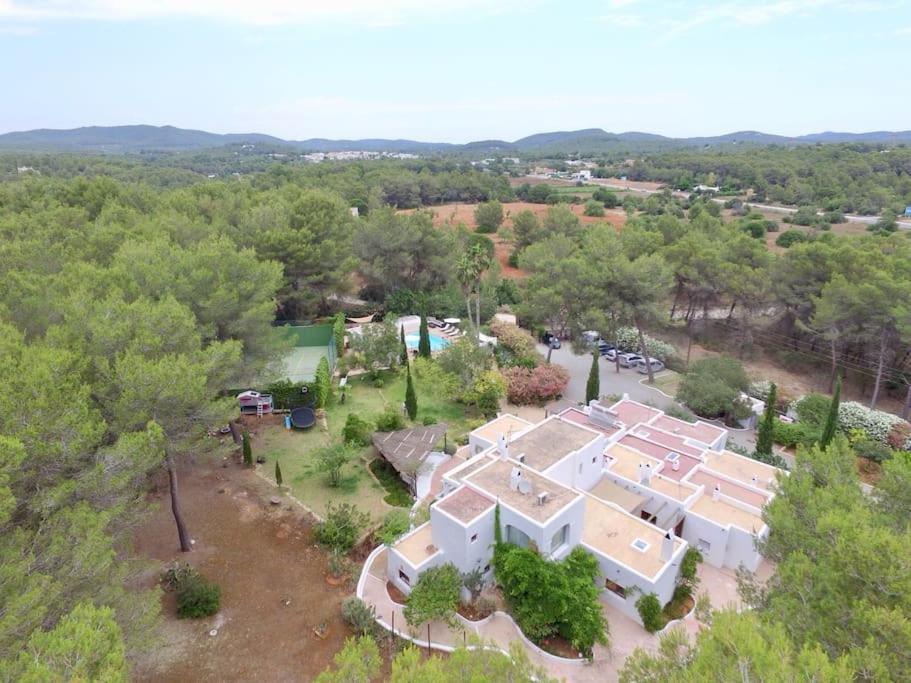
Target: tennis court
{"x":311,"y":343}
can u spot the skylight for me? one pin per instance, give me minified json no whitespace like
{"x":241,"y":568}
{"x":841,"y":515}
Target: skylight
{"x":640,"y":545}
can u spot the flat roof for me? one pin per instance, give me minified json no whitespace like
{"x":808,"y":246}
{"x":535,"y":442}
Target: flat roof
{"x":466,"y":468}
{"x":611,"y":531}
{"x":625,"y":462}
{"x":701,"y":431}
{"x":417,"y":546}
{"x":742,"y":469}
{"x":709,"y":479}
{"x":660,"y":452}
{"x":464,"y":504}
{"x":580,"y":417}
{"x":549,"y":442}
{"x":614,"y":493}
{"x":502,"y":426}
{"x":631,"y":412}
{"x":723,"y":513}
{"x":494,"y":481}
{"x":674,"y":442}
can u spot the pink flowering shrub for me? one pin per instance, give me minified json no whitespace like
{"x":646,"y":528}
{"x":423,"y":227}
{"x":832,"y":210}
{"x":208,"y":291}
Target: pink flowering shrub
{"x":535,"y":386}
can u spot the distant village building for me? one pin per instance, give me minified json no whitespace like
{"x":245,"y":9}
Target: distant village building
{"x":908,"y":210}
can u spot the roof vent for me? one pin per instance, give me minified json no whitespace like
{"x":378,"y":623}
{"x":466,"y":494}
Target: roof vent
{"x":672,"y":457}
{"x":716,"y":493}
{"x":542,"y":497}
{"x":515,"y":478}
{"x":524,"y":487}
{"x":675,"y":465}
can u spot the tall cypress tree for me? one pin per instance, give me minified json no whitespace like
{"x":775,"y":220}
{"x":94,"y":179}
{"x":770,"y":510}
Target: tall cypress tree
{"x":404,"y":356}
{"x":765,"y":438}
{"x":593,"y":386}
{"x":828,"y":431}
{"x":424,"y":341}
{"x":248,"y":449}
{"x":278,"y":474}
{"x":411,"y":398}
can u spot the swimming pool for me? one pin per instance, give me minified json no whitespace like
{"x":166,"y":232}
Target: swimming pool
{"x":437,"y":343}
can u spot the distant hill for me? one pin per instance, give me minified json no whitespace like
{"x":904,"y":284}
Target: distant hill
{"x":122,"y":139}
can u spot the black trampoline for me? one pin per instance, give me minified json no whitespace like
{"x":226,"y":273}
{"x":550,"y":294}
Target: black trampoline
{"x":303,"y":418}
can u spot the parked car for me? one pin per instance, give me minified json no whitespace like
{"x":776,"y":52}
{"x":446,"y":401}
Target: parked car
{"x":610,"y":354}
{"x":551,"y":340}
{"x":628,"y":360}
{"x":604,"y":347}
{"x":591,"y":336}
{"x":642,"y":367}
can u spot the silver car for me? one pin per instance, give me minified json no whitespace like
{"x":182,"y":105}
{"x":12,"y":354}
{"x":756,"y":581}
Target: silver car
{"x":628,"y":360}
{"x":657,"y":365}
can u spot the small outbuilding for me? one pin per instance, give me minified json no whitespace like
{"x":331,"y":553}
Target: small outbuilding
{"x":254,"y":403}
{"x":414,"y":453}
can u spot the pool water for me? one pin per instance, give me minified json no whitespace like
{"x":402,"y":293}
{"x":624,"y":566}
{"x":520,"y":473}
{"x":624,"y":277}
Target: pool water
{"x":437,"y":343}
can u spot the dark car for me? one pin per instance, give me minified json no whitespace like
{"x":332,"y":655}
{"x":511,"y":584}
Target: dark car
{"x":551,"y":340}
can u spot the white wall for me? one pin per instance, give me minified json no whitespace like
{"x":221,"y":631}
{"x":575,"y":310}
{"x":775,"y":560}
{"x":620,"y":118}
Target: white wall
{"x":741,"y":550}
{"x":662,"y":585}
{"x":455,"y":539}
{"x":654,"y":499}
{"x":395,"y":562}
{"x":582,"y":469}
{"x":542,"y":534}
{"x":697,"y":528}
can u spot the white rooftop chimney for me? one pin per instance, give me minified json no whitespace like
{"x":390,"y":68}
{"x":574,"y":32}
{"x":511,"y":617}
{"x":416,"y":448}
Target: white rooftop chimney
{"x":542,"y":497}
{"x":667,"y":546}
{"x":716,"y":493}
{"x":675,"y":465}
{"x":515,"y":476}
{"x":503,"y":447}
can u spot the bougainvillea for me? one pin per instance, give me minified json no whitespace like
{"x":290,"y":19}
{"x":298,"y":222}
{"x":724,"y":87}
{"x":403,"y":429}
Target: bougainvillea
{"x":535,"y":386}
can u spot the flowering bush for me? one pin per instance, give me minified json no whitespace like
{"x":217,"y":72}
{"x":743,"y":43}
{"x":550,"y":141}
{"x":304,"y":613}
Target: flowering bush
{"x":628,"y":338}
{"x":877,"y":424}
{"x":539,"y":385}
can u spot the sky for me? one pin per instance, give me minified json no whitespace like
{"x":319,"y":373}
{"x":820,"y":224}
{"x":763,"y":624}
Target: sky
{"x":457,"y":70}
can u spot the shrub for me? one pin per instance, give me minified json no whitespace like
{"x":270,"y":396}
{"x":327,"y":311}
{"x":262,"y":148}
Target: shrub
{"x":197,"y":597}
{"x":361,"y":617}
{"x":812,"y":409}
{"x":536,"y":386}
{"x":486,"y":392}
{"x":287,"y":395}
{"x":356,"y":431}
{"x":488,"y":216}
{"x":396,"y":524}
{"x":397,"y":493}
{"x":877,"y":424}
{"x":338,"y":334}
{"x":713,"y":386}
{"x":517,"y":341}
{"x":789,"y":238}
{"x":435,"y":596}
{"x":594,"y":208}
{"x":390,"y":420}
{"x":548,"y":598}
{"x":680,"y":412}
{"x":342,"y":527}
{"x":650,"y":612}
{"x":793,"y":434}
{"x":872,"y":450}
{"x":606,"y":197}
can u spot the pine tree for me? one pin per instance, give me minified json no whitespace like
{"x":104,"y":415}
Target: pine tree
{"x":424,"y":341}
{"x":593,"y":386}
{"x":404,"y":358}
{"x":248,"y":450}
{"x":411,"y":398}
{"x":766,"y":433}
{"x":828,"y":431}
{"x":278,"y":474}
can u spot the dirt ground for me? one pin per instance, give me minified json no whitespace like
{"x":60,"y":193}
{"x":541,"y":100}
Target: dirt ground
{"x":454,"y":214}
{"x":262,"y":556}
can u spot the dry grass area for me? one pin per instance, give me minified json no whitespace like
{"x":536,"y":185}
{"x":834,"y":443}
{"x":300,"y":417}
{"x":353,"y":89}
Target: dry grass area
{"x":456,"y":214}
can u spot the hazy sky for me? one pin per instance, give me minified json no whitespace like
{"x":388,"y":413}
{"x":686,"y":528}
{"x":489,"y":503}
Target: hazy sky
{"x":457,"y":70}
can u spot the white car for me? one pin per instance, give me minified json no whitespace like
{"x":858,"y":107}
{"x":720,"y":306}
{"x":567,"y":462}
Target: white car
{"x":629,"y":360}
{"x":657,"y":366}
{"x":610,"y":354}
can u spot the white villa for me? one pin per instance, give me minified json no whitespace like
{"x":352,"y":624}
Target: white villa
{"x":632,"y":485}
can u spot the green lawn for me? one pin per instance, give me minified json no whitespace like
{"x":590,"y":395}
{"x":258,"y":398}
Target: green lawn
{"x":668,"y":382}
{"x":293,"y":448}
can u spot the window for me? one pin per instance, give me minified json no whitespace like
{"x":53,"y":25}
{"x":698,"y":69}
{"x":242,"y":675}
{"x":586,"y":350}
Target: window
{"x":580,"y":468}
{"x":703,"y":545}
{"x":615,"y":588}
{"x":594,"y":459}
{"x":559,"y":538}
{"x":474,"y":537}
{"x":517,"y":536}
{"x":640,"y":545}
{"x":404,"y":577}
